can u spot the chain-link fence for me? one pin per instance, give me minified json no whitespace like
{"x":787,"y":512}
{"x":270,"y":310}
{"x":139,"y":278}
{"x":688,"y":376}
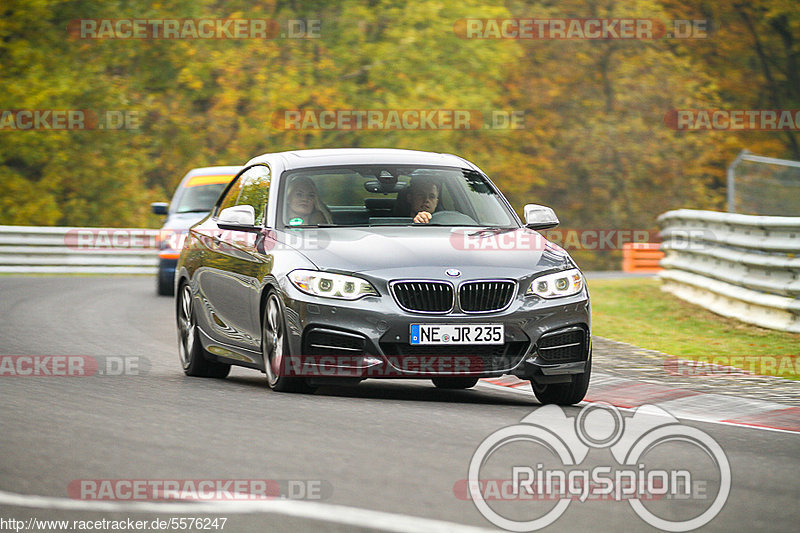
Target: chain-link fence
{"x":759,"y":185}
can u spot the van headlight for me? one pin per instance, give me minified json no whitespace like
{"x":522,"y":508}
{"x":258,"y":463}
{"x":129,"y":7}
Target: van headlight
{"x":556,"y":285}
{"x":329,"y":285}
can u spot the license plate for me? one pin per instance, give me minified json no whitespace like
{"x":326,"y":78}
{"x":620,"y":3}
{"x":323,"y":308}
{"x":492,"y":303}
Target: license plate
{"x":457,"y":334}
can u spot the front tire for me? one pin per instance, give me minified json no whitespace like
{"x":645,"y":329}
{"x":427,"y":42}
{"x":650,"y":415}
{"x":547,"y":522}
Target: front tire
{"x":565,"y":393}
{"x":275,"y":348}
{"x":195,"y":360}
{"x":165,"y":283}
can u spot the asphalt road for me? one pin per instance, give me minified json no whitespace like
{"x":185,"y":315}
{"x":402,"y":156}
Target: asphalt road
{"x":395,"y":447}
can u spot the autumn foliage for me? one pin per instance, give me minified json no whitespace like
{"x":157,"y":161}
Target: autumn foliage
{"x":589,"y":137}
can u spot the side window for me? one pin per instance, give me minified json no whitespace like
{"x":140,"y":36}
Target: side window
{"x":255,"y":190}
{"x":232,"y":195}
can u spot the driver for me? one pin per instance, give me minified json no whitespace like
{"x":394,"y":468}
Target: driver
{"x":423,"y":197}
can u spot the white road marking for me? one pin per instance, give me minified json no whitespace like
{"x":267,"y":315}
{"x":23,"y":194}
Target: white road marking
{"x":323,"y":512}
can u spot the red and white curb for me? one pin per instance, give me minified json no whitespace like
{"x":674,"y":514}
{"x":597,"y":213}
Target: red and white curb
{"x":681,"y":403}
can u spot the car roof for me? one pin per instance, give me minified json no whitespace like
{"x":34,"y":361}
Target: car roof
{"x":358,"y":156}
{"x":211,"y":171}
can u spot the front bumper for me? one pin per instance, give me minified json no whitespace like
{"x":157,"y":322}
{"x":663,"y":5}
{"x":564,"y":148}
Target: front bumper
{"x":369,"y":338}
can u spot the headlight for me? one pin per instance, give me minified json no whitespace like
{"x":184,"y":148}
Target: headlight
{"x":331,"y":285}
{"x":556,"y":285}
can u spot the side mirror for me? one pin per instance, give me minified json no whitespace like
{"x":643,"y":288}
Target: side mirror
{"x":159,"y":208}
{"x":540,"y":217}
{"x":238,"y":217}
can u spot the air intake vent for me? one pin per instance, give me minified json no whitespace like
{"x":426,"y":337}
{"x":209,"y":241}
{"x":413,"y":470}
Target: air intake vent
{"x":424,"y":296}
{"x":485,"y":296}
{"x":320,"y":341}
{"x":564,"y":346}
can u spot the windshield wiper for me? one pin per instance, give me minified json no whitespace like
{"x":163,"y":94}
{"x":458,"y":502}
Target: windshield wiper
{"x":495,"y":231}
{"x":450,"y":225}
{"x":387,"y":224}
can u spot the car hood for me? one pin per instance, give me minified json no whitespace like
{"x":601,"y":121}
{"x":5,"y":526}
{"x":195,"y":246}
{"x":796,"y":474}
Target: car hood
{"x":427,"y":251}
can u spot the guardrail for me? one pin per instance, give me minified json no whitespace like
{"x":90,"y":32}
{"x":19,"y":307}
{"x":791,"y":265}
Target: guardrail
{"x":741,"y":266}
{"x":60,"y":250}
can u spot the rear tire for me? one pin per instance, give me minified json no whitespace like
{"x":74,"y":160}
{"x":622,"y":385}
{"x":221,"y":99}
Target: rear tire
{"x":195,"y":360}
{"x":565,"y":393}
{"x":463,"y":382}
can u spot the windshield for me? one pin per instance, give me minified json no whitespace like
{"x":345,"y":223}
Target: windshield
{"x":200,"y":197}
{"x":390,"y":195}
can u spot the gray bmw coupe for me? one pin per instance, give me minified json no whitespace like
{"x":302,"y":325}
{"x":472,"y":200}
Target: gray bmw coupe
{"x":323,"y":266}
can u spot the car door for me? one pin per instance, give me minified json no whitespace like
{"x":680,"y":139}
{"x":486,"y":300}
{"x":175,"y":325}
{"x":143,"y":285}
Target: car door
{"x":229,"y":283}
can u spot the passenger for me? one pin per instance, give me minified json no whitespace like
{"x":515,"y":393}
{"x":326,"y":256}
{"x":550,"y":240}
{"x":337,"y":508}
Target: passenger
{"x":303,"y":206}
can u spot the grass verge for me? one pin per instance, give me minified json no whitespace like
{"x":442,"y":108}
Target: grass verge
{"x":636,"y":311}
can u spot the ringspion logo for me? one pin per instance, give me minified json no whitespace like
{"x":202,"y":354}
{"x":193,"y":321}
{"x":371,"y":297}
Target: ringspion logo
{"x":543,"y":459}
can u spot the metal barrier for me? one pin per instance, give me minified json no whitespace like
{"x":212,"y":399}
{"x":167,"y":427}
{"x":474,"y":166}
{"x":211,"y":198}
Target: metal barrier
{"x":59,"y":250}
{"x":741,"y":266}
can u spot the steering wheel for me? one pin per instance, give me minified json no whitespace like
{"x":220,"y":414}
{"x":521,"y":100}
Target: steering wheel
{"x":451,"y":218}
